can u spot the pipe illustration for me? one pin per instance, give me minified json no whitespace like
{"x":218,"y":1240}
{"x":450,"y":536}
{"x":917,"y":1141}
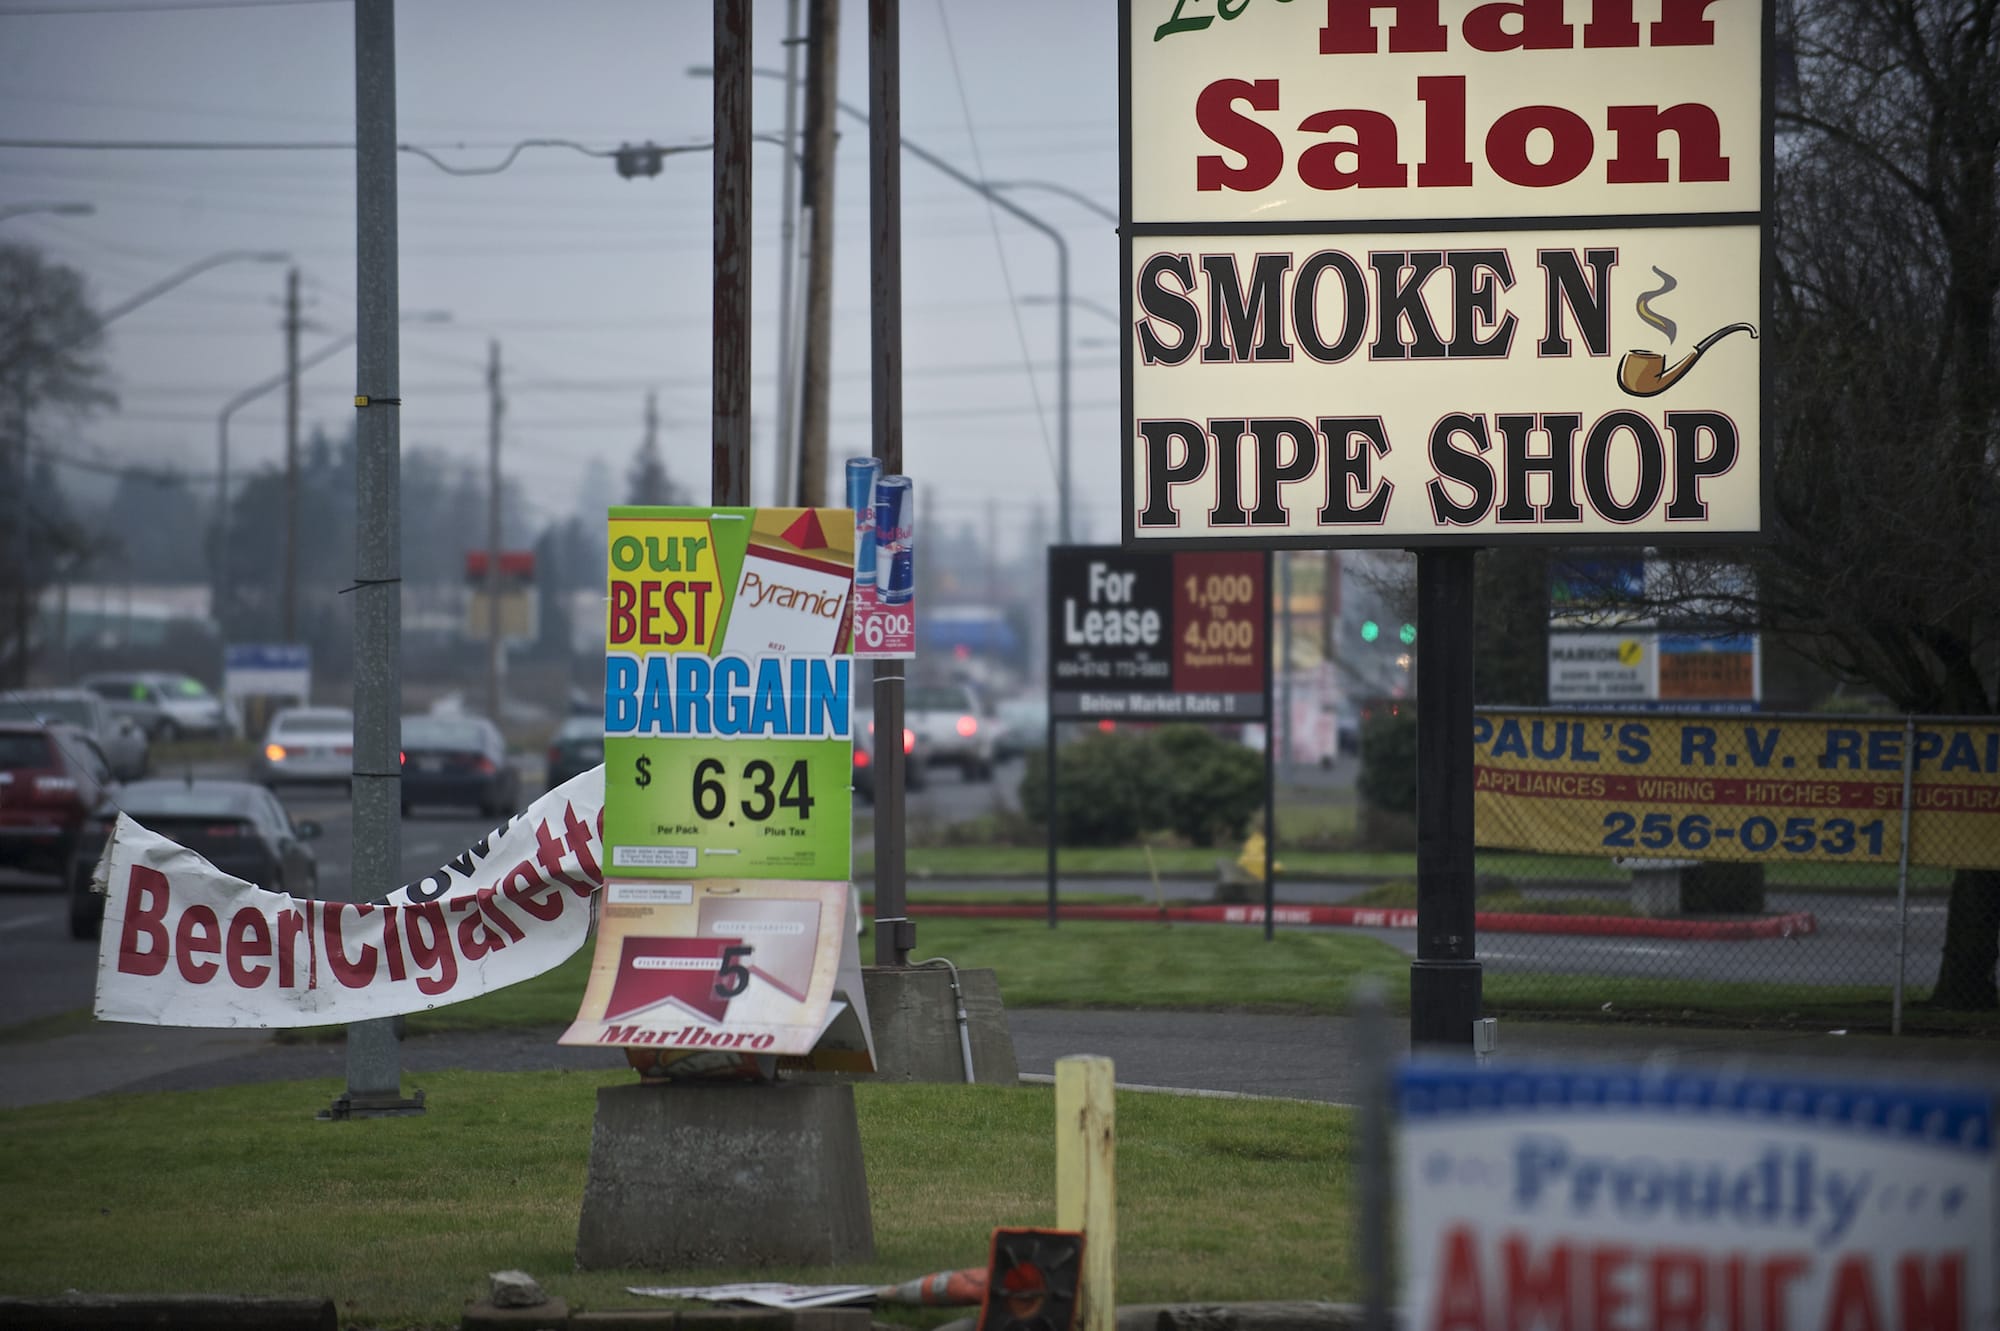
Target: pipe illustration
{"x":1645,"y":373}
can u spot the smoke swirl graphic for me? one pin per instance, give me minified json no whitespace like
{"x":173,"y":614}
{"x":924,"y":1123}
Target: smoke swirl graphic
{"x":1646,"y":311}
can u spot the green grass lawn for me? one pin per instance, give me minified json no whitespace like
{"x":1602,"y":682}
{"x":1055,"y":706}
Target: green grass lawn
{"x":400,"y":1220}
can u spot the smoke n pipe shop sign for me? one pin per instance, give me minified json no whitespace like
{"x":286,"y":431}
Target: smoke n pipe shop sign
{"x":1429,"y":271}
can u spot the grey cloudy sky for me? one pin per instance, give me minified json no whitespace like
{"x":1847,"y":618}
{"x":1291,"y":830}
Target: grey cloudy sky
{"x":597,"y":287}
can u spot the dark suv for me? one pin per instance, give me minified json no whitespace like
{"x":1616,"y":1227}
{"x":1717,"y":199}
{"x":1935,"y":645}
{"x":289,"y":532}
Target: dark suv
{"x":51,"y":776}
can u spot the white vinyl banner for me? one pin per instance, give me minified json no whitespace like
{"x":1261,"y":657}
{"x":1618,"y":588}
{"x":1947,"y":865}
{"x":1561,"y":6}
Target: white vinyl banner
{"x":185,"y":944}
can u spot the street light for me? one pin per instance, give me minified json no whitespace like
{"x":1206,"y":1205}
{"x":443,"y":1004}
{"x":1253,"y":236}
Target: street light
{"x":1081,"y":302}
{"x":244,"y":399}
{"x":995,"y":193}
{"x":60,"y":209}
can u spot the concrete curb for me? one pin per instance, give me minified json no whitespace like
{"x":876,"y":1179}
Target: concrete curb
{"x":1792,"y":925}
{"x":183,"y":1312}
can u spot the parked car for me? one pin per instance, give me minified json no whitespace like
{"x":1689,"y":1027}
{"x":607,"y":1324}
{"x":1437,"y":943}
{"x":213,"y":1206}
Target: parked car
{"x":237,"y":826}
{"x":122,"y":739}
{"x":166,"y":705}
{"x":952,"y":726}
{"x":1020,"y":724}
{"x":307,"y":744}
{"x":457,"y":758}
{"x":577,"y":746}
{"x":51,"y":776}
{"x":864,"y":757}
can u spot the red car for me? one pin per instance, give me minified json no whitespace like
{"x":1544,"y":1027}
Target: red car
{"x":51,"y":777}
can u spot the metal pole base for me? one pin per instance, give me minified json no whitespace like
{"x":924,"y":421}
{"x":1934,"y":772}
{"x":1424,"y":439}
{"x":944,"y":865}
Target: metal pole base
{"x":372,"y":1106}
{"x":1444,"y":1004}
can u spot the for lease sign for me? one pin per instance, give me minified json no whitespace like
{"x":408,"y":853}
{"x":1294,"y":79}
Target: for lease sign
{"x":1433,"y":270}
{"x":1600,"y":1197}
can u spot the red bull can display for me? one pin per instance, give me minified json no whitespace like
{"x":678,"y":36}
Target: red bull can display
{"x":895,"y":541}
{"x":862,"y":474}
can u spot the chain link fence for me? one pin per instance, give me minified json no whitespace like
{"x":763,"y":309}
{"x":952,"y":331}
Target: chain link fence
{"x":1752,"y":868}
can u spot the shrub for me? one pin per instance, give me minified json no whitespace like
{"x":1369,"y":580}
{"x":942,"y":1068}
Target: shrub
{"x":1112,"y":787}
{"x":1388,"y":779}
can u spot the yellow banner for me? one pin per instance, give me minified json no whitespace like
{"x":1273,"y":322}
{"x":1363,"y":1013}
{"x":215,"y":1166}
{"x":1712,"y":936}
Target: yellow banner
{"x":1746,"y":787}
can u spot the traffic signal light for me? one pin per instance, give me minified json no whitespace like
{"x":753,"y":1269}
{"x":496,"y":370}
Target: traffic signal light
{"x":1370,"y":630}
{"x":1408,"y":634}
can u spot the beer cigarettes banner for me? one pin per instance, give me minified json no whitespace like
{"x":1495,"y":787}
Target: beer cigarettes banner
{"x":185,"y":944}
{"x":1738,"y":788}
{"x":1602,"y":1197}
{"x":728,"y":689}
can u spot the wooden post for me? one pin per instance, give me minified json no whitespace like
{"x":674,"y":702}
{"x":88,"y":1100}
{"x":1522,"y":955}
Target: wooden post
{"x":1086,"y":1190}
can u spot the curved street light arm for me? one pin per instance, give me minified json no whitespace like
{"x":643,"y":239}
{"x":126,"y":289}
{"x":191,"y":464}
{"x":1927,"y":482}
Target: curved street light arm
{"x":1075,"y":196}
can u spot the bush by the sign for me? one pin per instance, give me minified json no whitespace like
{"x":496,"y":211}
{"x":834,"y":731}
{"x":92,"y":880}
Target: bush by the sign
{"x":1115,"y":786}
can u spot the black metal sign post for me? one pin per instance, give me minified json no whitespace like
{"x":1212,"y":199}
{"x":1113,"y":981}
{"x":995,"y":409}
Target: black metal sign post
{"x":1271,"y":753}
{"x":1445,"y":977}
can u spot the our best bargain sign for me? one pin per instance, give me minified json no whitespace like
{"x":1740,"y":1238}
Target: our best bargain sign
{"x":728,"y":692}
{"x":1434,"y":271}
{"x":1754,"y":787}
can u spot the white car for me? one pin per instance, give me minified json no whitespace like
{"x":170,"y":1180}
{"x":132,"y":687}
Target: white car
{"x":952,"y":728}
{"x":307,"y":744}
{"x":166,"y":705}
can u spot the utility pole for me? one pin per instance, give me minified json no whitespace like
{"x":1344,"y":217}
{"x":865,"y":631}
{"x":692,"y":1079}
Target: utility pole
{"x":374,"y":1062}
{"x":290,"y":593}
{"x":895,"y":933}
{"x":787,"y":315}
{"x":822,"y":104}
{"x":729,"y":456}
{"x":495,"y":405}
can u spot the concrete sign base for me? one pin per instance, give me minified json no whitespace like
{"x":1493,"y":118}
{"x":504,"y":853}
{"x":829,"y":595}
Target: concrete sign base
{"x":731,"y":1175}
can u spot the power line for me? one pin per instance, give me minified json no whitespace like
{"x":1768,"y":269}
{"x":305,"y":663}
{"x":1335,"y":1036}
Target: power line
{"x":429,"y":154}
{"x":173,"y":6}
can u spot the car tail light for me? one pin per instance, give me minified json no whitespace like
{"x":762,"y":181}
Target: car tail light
{"x":222,"y":830}
{"x":343,"y":749}
{"x":275,"y":752}
{"x":861,"y":758}
{"x":909,"y":740}
{"x":1107,"y":725}
{"x":402,"y":758}
{"x":485,"y":765}
{"x":968,"y":726}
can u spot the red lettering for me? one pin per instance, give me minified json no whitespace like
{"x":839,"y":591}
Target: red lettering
{"x":623,"y":626}
{"x":392,"y":944}
{"x":1537,"y":1297}
{"x":1608,"y":1297}
{"x":679,"y":632}
{"x":1263,"y":156}
{"x":1541,"y":26}
{"x":1350,"y":27}
{"x":579,"y":841}
{"x":1507,"y":146}
{"x":199,"y":933}
{"x":475,"y":940}
{"x":1933,"y":1304}
{"x":1373,"y":148}
{"x":649,"y":610}
{"x":700,"y":614}
{"x":1637,"y":131}
{"x":548,"y":854}
{"x":1680,"y":1291}
{"x":429,"y":937}
{"x":1445,"y":163}
{"x":145,"y":907}
{"x":1851,"y":1306}
{"x":292,"y":925}
{"x":249,"y":939}
{"x":353,"y":974}
{"x":1611,"y":24}
{"x":1460,"y":1304}
{"x":489,"y":906}
{"x":528,"y":890}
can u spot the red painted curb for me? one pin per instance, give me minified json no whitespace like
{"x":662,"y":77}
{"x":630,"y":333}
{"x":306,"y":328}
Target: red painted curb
{"x":1793,"y":925}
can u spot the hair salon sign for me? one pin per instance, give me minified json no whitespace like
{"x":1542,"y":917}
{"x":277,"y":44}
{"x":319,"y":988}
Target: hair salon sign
{"x":1432,"y":271}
